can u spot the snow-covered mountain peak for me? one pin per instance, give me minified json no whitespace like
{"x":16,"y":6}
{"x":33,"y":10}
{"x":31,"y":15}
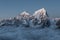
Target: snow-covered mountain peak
{"x":43,"y":11}
{"x":40,"y":13}
{"x":24,"y":13}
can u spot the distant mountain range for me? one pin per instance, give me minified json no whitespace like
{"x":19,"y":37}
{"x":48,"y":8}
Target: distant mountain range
{"x":40,"y":18}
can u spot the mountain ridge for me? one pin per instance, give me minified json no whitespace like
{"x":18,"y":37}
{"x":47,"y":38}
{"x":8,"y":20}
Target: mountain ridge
{"x":40,"y":18}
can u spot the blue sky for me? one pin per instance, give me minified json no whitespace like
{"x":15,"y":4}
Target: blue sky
{"x":11,"y":8}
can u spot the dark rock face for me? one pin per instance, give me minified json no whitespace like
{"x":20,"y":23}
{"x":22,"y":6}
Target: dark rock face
{"x":58,"y":24}
{"x":47,"y":23}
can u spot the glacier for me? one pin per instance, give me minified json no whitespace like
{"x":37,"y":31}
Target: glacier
{"x":29,"y":27}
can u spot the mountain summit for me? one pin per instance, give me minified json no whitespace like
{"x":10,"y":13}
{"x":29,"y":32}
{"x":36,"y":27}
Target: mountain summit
{"x":40,"y":13}
{"x":23,"y":15}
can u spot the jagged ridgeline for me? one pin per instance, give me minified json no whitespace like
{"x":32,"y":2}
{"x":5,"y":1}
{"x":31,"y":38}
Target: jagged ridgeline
{"x":39,"y":19}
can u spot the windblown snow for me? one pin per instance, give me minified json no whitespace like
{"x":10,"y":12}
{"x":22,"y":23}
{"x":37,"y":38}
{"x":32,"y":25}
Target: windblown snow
{"x":29,"y":27}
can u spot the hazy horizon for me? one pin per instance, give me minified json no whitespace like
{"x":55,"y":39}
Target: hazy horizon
{"x":11,"y":8}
